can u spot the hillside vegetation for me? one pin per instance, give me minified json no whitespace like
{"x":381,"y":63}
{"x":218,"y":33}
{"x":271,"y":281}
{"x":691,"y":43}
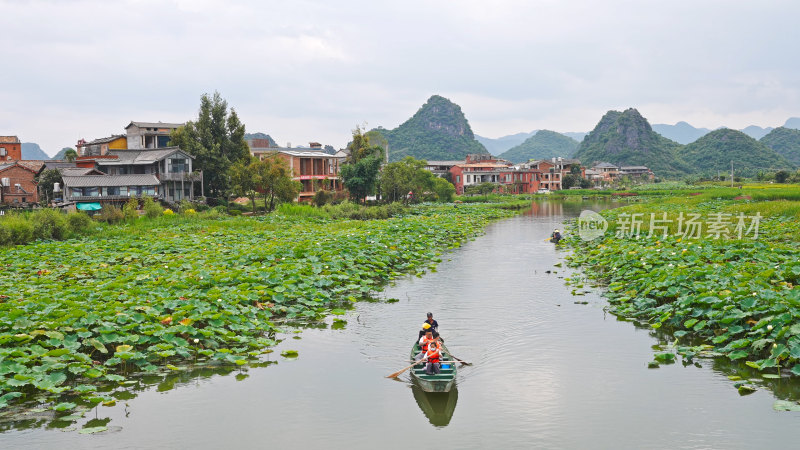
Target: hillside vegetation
{"x":786,"y":142}
{"x":626,"y":138}
{"x":544,"y":144}
{"x":714,"y":152}
{"x":438,"y":131}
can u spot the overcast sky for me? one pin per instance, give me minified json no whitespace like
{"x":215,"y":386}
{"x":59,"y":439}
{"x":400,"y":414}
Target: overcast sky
{"x":313,"y":70}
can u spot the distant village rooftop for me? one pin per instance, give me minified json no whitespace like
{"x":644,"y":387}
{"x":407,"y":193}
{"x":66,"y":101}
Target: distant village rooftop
{"x":154,"y":125}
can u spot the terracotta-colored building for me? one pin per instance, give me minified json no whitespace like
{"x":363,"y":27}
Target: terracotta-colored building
{"x":10,"y":148}
{"x":18,"y":182}
{"x":314,"y":169}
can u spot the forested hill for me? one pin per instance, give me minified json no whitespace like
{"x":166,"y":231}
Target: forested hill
{"x":545,"y":144}
{"x":785,"y":141}
{"x":251,"y":136}
{"x":626,"y":138}
{"x":714,"y":152}
{"x":438,"y":131}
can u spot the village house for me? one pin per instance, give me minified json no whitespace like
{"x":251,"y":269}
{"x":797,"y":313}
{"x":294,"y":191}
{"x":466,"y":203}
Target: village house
{"x":440,"y":168}
{"x":595,"y":177}
{"x":312,"y":166}
{"x":18,"y":186}
{"x":100,"y":147}
{"x":477,"y":169}
{"x":315,"y":170}
{"x":636,"y":172}
{"x":110,"y":188}
{"x":165,"y":173}
{"x":522,"y":178}
{"x":148,"y":135}
{"x":10,"y":148}
{"x":609,"y":171}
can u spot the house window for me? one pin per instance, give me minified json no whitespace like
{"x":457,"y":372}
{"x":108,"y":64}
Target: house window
{"x":113,"y":190}
{"x":458,"y":178}
{"x":178,"y":165}
{"x":2,"y":151}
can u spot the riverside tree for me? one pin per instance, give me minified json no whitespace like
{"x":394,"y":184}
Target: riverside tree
{"x":243,"y":181}
{"x":274,"y":178}
{"x":216,"y":140}
{"x":360,"y":172}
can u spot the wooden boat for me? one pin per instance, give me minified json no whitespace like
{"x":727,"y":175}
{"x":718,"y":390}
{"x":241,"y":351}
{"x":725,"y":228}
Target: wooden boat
{"x":441,"y":382}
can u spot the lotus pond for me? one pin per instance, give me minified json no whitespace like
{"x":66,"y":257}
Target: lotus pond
{"x":83,"y":319}
{"x":733,"y":294}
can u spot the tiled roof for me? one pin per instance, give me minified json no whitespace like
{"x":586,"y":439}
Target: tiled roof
{"x":149,"y":156}
{"x":155,"y":125}
{"x":9,"y":140}
{"x":105,"y":140}
{"x":634,"y":168}
{"x":289,"y":149}
{"x":487,"y":165}
{"x":57,"y":164}
{"x":110,"y":180}
{"x":33,"y":166}
{"x":308,"y":153}
{"x":444,"y":163}
{"x":74,"y":171}
{"x":605,"y":165}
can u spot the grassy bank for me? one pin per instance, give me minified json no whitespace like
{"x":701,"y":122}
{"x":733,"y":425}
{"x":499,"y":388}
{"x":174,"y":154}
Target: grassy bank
{"x":79,"y":314}
{"x":737,"y":295}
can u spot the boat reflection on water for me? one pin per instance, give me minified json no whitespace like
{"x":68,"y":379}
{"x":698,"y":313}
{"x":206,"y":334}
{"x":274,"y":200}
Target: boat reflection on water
{"x":438,"y":407}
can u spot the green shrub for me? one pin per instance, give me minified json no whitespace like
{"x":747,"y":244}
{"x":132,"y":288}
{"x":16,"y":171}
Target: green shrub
{"x":212,"y":214}
{"x":152,"y":209}
{"x":395,"y":209}
{"x":234,"y":212}
{"x":110,"y":214}
{"x":130,"y":210}
{"x":79,"y":222}
{"x":15,"y":229}
{"x":343,"y":210}
{"x":49,"y":224}
{"x":322,"y":198}
{"x":300,"y":210}
{"x":185,"y":205}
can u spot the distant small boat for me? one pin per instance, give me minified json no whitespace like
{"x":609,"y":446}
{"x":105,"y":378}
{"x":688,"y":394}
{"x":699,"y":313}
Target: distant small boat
{"x":441,"y":382}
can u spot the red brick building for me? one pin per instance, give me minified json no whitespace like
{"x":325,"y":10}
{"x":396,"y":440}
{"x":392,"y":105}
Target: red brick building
{"x":18,"y":182}
{"x":10,"y":149}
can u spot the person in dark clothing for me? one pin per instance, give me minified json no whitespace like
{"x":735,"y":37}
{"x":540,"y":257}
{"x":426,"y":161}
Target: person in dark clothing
{"x":555,"y":237}
{"x":433,"y":323}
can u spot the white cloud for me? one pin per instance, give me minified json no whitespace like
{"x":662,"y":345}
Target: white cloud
{"x":309,"y":70}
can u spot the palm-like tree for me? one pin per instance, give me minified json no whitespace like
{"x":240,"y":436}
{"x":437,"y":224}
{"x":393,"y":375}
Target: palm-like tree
{"x":70,"y":155}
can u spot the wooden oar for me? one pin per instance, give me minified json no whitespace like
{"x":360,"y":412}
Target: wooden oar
{"x":461,"y":361}
{"x":394,"y":375}
{"x":548,"y":239}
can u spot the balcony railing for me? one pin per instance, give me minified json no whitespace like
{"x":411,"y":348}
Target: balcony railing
{"x":180,"y":176}
{"x":106,"y":198}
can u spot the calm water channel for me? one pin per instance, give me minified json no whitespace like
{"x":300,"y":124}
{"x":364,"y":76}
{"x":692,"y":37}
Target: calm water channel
{"x":547,"y":373}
